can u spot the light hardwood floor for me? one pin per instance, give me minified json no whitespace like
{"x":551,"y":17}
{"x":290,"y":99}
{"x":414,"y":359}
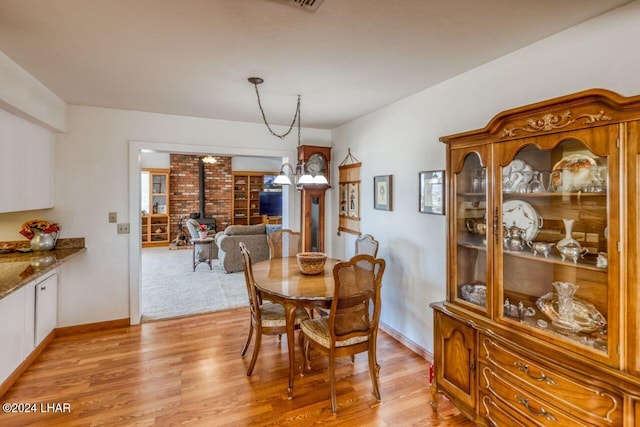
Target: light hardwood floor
{"x":189,"y":371}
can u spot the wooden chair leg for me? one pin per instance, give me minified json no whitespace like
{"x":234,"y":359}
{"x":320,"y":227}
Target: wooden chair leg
{"x":332,"y":377}
{"x":246,"y":344}
{"x":373,"y":372}
{"x":256,"y":350}
{"x":306,"y":359}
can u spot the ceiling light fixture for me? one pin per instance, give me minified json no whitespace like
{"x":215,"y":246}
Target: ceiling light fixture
{"x":282,"y":178}
{"x":209,"y":159}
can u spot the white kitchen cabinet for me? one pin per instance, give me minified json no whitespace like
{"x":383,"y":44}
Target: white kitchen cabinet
{"x":12,"y":317}
{"x":27,"y":316}
{"x":39,"y":159}
{"x":26,"y":165}
{"x":46,"y":307}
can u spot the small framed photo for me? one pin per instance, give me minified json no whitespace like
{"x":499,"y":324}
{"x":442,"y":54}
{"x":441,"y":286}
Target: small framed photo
{"x":431,"y":185}
{"x":383,"y":192}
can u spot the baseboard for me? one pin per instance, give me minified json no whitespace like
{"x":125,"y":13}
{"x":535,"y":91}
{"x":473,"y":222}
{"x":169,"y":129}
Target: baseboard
{"x":420,"y":351}
{"x":6,"y":385}
{"x":92,"y":327}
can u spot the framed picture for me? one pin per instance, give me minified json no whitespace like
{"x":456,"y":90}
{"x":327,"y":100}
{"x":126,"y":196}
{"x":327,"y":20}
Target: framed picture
{"x":383,"y":192}
{"x":431,"y":185}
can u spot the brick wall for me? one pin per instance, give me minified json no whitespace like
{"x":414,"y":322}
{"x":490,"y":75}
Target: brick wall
{"x":184,"y":183}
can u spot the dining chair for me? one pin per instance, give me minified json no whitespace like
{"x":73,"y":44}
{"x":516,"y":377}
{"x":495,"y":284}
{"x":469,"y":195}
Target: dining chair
{"x":283,"y":243}
{"x":366,"y":244}
{"x":352,"y":324}
{"x":266,"y":318}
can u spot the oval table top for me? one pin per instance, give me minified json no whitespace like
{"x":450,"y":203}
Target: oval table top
{"x":282,"y":277}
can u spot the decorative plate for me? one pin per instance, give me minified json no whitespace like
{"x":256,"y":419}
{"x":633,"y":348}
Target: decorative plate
{"x":576,"y":168}
{"x":586,"y":317}
{"x":522,"y":215}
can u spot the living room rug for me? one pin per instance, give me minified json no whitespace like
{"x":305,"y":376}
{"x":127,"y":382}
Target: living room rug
{"x":170,"y":287}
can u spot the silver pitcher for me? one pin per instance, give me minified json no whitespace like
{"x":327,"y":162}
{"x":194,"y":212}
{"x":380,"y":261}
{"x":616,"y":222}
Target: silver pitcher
{"x":514,"y":238}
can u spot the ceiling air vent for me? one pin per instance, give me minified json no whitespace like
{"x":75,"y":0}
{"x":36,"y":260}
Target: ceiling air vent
{"x":310,"y":5}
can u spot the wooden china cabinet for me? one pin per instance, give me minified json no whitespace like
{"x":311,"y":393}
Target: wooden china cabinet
{"x":541,"y":325}
{"x":154,"y":226}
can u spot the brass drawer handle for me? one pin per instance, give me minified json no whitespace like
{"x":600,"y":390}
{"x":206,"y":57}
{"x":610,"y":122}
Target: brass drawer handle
{"x":525,"y":402}
{"x":525,"y":368}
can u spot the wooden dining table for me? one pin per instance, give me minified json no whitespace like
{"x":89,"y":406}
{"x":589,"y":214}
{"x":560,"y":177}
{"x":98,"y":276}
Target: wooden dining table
{"x":280,"y":280}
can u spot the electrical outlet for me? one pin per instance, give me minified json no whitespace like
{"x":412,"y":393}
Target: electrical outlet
{"x":123,"y":228}
{"x":113,"y":217}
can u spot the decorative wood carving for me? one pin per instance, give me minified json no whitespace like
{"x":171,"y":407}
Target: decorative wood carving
{"x":550,"y":122}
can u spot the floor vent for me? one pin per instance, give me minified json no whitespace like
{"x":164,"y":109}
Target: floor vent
{"x":310,"y":5}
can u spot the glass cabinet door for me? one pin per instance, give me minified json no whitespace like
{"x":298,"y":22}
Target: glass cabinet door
{"x":557,"y":195}
{"x":469,"y":206}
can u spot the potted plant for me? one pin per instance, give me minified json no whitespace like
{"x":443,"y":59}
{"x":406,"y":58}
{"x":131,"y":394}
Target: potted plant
{"x":203,"y":231}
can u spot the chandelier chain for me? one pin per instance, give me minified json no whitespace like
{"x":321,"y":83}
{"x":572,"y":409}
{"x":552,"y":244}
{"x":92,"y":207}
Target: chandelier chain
{"x":293,"y":122}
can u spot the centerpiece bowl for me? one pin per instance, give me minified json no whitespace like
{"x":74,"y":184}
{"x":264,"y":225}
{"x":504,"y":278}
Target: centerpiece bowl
{"x":311,"y":262}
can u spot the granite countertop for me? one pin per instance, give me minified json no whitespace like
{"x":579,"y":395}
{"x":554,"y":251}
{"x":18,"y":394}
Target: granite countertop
{"x":18,"y":268}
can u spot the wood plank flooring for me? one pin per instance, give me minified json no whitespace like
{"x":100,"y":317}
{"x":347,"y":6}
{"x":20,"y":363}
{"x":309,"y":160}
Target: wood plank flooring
{"x":189,"y":371}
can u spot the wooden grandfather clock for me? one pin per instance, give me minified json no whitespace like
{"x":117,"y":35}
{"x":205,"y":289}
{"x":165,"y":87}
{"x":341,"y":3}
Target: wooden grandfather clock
{"x":316,"y":161}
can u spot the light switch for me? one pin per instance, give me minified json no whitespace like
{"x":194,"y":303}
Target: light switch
{"x":113,"y":217}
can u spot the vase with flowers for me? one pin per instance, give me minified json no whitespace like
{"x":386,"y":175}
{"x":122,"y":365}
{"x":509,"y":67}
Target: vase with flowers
{"x":203,"y":231}
{"x":42,"y":235}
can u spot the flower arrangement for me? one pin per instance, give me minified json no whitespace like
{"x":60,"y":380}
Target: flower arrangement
{"x":37,"y":224}
{"x":203,"y":227}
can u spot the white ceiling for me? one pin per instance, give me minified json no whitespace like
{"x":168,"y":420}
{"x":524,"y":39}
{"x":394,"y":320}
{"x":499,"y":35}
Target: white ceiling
{"x":193,"y":57}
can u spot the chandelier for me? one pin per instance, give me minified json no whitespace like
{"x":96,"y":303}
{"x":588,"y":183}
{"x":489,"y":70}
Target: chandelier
{"x":297,"y":172}
{"x":209,"y":160}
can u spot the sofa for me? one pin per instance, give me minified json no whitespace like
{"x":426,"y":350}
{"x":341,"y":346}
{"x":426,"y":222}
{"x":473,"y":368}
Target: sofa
{"x":253,"y":236}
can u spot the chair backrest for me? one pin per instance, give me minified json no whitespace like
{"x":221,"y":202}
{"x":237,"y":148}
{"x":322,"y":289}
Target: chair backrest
{"x":366,"y":244}
{"x":193,"y":227}
{"x":247,"y":265}
{"x":355,"y":309}
{"x":283,"y":243}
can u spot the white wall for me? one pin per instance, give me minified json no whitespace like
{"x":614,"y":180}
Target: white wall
{"x":24,"y":96}
{"x":155,"y":160}
{"x":402,"y":139}
{"x":258,"y":164}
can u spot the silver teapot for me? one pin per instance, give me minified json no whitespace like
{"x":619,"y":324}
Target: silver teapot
{"x":514,"y":238}
{"x":540,"y":247}
{"x":573,"y":251}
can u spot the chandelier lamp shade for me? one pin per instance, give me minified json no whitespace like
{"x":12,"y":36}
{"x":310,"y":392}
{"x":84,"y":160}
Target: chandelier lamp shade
{"x":305,"y":179}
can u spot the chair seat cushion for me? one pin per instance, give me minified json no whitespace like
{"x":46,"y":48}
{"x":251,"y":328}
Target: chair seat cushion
{"x":318,"y":330}
{"x":273,"y":315}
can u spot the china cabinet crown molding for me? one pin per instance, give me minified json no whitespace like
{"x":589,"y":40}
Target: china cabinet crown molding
{"x":531,"y":338}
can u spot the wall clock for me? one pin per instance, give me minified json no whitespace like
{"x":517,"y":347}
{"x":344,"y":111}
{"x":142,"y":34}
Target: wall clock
{"x":316,"y":160}
{"x":316,"y":164}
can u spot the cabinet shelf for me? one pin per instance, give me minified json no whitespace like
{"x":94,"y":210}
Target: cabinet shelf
{"x":155,"y":203}
{"x":542,"y":195}
{"x":246,"y":196}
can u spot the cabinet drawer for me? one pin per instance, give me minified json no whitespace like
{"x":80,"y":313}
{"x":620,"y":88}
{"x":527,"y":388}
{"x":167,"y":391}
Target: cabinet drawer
{"x":494,"y":411}
{"x":522,"y":402}
{"x":600,"y":406}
